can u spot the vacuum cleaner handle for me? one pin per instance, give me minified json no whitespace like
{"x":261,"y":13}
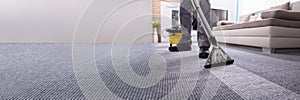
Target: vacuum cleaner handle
{"x":201,"y":17}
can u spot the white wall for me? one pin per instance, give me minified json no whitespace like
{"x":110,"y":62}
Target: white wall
{"x":229,"y":5}
{"x":56,"y":20}
{"x":249,"y":6}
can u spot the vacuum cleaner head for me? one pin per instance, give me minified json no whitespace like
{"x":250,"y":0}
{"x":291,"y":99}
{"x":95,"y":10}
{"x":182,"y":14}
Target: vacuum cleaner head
{"x":218,"y":57}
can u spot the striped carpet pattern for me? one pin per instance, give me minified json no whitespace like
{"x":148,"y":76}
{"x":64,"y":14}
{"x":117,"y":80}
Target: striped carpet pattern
{"x":144,"y":72}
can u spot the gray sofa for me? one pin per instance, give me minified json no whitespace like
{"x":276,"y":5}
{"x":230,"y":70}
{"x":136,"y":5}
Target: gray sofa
{"x":276,"y":29}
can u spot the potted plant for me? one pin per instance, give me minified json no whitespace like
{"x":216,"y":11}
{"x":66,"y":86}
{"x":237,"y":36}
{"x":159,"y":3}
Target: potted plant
{"x":156,"y":30}
{"x":155,"y":24}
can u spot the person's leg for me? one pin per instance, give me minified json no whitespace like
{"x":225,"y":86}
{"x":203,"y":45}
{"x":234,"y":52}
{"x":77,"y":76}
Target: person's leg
{"x":186,"y":24}
{"x":203,"y":43}
{"x":185,"y":42}
{"x":202,"y":38}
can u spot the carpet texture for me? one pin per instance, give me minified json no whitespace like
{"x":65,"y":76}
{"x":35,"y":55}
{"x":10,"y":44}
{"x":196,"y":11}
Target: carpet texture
{"x":45,"y":71}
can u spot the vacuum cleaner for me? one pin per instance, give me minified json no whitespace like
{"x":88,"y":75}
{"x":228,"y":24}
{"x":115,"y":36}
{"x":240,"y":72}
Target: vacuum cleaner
{"x":174,"y":37}
{"x":217,"y":57}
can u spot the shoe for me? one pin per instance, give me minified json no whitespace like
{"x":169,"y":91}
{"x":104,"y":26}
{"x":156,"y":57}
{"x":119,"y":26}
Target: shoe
{"x":204,"y":52}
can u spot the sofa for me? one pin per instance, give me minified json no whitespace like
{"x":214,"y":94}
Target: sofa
{"x":274,"y":28}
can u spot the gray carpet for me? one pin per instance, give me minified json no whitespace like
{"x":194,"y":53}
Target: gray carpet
{"x":45,"y":71}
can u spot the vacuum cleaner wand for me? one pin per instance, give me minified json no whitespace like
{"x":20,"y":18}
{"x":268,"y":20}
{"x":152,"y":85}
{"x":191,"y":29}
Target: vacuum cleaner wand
{"x":218,"y":56}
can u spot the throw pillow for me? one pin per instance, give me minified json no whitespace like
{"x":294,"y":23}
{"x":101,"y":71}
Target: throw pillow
{"x":284,"y":6}
{"x":253,"y":18}
{"x":224,"y":22}
{"x":245,"y":18}
{"x":259,"y":16}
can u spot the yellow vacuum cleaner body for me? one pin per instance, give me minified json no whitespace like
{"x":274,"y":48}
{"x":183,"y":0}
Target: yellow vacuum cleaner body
{"x":174,"y":35}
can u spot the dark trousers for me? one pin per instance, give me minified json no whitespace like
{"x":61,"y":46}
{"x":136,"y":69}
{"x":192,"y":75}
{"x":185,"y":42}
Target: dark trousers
{"x":186,"y":14}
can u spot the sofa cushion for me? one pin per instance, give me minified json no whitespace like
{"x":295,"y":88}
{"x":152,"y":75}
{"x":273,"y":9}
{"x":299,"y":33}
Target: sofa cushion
{"x":281,"y":14}
{"x":267,"y":31}
{"x":262,"y":23}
